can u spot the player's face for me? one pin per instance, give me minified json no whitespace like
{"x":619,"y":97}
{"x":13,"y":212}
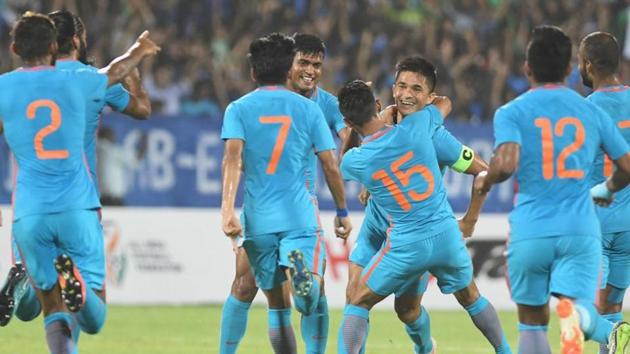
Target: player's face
{"x":411,"y":92}
{"x":305,"y":72}
{"x":586,"y":79}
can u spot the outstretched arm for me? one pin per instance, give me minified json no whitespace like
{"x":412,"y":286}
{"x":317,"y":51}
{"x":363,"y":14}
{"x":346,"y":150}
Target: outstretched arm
{"x":335,"y":184}
{"x":122,"y":66}
{"x":139,"y":106}
{"x":502,"y":166}
{"x":469,"y":220}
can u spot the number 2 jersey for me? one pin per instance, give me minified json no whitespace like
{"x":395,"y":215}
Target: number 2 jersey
{"x":398,"y":166}
{"x":559,"y":133}
{"x":43,"y":111}
{"x":616,"y":102}
{"x":280,"y":130}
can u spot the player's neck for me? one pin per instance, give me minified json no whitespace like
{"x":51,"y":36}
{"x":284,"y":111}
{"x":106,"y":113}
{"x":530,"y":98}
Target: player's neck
{"x":67,"y":57}
{"x":44,"y":61}
{"x":599,"y":83}
{"x":371,"y":127}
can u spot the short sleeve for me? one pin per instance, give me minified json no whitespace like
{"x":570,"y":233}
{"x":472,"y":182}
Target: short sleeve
{"x":506,"y":129}
{"x":447,"y":147}
{"x":348,"y":166}
{"x":320,"y":133}
{"x":117,"y":97}
{"x":612,"y":141}
{"x":333,"y":115}
{"x":427,"y":120}
{"x":93,"y":84}
{"x":232,"y":124}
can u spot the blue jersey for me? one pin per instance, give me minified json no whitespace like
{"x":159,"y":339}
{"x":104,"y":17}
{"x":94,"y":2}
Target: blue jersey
{"x":329,"y":105}
{"x":116,"y":97}
{"x":559,"y":133}
{"x":399,"y":168}
{"x":616,"y":102}
{"x":43,"y":110}
{"x":280,"y":130}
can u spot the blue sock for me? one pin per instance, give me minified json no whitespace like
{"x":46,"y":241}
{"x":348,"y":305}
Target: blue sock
{"x":280,"y":331}
{"x":27,"y":305}
{"x":354,"y":329}
{"x":233,"y":324}
{"x":91,"y":317}
{"x":533,"y":339}
{"x":594,"y":326}
{"x":315,"y":328}
{"x":420,"y":332}
{"x":306,"y":305}
{"x":60,"y":328}
{"x":485,"y":318}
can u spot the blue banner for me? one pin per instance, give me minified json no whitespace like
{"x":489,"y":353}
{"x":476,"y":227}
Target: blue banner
{"x":176,"y":161}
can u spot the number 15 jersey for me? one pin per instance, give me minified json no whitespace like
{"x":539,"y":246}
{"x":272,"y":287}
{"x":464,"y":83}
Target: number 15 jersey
{"x":559,"y":133}
{"x":43,"y":110}
{"x":280,"y":129}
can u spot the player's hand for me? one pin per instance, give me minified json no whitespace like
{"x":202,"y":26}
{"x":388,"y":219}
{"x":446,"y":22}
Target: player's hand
{"x":601,"y":195}
{"x":146,"y":45}
{"x":364,"y":196}
{"x":389,"y":114}
{"x":480,"y":186}
{"x":443,"y":104}
{"x":232,"y":226}
{"x":466,"y":227}
{"x":343,"y":226}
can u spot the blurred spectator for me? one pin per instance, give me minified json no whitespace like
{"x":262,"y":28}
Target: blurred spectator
{"x":477,"y":45}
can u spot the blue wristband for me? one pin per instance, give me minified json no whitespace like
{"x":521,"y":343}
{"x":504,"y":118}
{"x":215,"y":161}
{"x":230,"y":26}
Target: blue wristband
{"x":342,"y":213}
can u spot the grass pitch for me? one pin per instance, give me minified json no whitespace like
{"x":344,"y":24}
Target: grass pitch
{"x":195,"y":329}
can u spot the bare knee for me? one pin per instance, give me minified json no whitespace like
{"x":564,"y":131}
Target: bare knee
{"x":244,"y":288}
{"x":407,"y":312}
{"x":533,"y":315}
{"x":468,"y":295}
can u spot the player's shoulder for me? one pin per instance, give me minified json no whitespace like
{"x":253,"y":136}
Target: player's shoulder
{"x":325,"y":95}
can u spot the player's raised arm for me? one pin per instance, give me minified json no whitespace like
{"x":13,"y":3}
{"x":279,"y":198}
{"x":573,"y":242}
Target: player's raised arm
{"x":122,"y":66}
{"x":231,"y":176}
{"x":139,"y":106}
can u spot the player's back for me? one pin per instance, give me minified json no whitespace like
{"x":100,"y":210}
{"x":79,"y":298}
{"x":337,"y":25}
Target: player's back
{"x":280,"y":129}
{"x":398,"y":165}
{"x":559,"y":133}
{"x":43,"y":111}
{"x":117,"y":97}
{"x":616,"y":102}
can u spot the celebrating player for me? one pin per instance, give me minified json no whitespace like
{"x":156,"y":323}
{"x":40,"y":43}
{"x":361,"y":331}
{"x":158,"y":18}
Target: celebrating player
{"x":549,"y":137}
{"x":280,"y":215}
{"x":599,"y":62}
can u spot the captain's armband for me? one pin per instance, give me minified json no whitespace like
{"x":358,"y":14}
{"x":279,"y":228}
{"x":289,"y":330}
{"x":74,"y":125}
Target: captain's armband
{"x":466,"y":158}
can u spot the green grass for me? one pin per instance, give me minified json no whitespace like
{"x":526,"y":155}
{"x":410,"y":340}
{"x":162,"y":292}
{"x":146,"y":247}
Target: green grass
{"x":195,"y":329}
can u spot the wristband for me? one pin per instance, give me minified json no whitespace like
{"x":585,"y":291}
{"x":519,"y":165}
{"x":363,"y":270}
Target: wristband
{"x":342,"y":213}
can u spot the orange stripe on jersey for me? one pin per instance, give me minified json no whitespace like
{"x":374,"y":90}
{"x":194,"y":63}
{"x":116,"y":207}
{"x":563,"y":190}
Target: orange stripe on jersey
{"x":624,"y":124}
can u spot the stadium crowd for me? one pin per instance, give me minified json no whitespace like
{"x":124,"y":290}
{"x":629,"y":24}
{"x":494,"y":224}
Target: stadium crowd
{"x":477,"y":45}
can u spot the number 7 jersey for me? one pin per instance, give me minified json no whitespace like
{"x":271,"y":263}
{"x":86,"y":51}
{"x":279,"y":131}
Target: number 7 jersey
{"x":43,"y":111}
{"x":280,"y":129}
{"x":559,"y":133}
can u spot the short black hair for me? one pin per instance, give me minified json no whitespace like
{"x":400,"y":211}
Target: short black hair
{"x":549,"y":54}
{"x":33,"y":34}
{"x":357,"y":102}
{"x":602,"y":50}
{"x":309,"y":44}
{"x":271,"y":58}
{"x":68,"y":25}
{"x":418,"y":65}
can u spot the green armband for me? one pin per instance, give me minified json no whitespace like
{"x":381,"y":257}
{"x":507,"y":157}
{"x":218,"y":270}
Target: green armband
{"x":466,"y":158}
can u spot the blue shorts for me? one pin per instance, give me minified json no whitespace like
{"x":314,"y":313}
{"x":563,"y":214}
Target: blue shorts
{"x":269,"y":254}
{"x":560,"y":265}
{"x":397,"y":263}
{"x":616,"y":260}
{"x":371,"y":238}
{"x":79,"y":234}
{"x":16,"y":253}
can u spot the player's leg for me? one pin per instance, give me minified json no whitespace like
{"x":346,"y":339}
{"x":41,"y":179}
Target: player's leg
{"x":574,"y":278}
{"x":81,"y":268}
{"x":315,"y":326}
{"x":263,"y":251}
{"x":17,"y":295}
{"x":528,"y":280}
{"x":414,"y":316}
{"x":35,"y":238}
{"x":236,"y":307}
